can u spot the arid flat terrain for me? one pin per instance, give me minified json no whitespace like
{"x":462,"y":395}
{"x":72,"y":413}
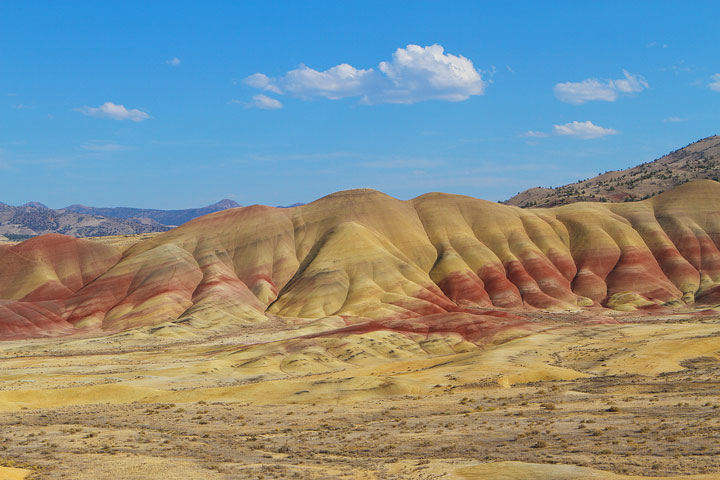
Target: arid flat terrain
{"x":582,"y":395}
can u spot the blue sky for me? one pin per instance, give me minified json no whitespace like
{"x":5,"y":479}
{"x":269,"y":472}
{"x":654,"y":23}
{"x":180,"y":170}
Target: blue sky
{"x":174,"y":105}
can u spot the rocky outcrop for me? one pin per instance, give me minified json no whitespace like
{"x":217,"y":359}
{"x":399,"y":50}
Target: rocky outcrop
{"x":697,"y":161}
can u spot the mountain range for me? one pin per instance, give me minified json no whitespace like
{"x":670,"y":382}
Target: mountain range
{"x":34,"y":218}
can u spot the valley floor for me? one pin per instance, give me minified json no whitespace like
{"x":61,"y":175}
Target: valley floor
{"x":571,"y":400}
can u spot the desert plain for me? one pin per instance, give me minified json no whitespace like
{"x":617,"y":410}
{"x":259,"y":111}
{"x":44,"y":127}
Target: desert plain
{"x":587,"y":395}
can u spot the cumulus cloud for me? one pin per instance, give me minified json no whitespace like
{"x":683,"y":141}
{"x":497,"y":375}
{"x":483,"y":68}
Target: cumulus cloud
{"x":715,"y":82}
{"x":334,"y":83}
{"x":585,"y":130}
{"x":264,"y":102}
{"x":116,"y":112}
{"x":173,"y":62}
{"x":413,"y":75}
{"x":423,"y":73}
{"x":592,"y":89}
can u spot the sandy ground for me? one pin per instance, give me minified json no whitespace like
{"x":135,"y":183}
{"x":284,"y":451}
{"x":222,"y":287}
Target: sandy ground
{"x":120,"y":241}
{"x":575,"y":399}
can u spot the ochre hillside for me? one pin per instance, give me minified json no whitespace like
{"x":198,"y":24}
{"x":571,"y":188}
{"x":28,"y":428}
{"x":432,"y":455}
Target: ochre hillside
{"x":699,"y":160}
{"x":372,"y":260}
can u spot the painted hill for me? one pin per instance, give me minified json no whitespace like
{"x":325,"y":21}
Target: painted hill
{"x":34,"y":218}
{"x":699,"y":160}
{"x":373,"y":262}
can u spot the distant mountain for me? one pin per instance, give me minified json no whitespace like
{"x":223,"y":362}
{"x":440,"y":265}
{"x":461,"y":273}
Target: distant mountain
{"x":170,"y":218}
{"x":699,"y":160}
{"x":34,"y":218}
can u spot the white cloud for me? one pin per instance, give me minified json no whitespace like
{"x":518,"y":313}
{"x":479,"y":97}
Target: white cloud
{"x":585,"y":130}
{"x":173,"y":62}
{"x":116,"y":112}
{"x":264,"y":102}
{"x":535,"y":134}
{"x":592,"y":89}
{"x":334,"y":83}
{"x":414,"y":74}
{"x":261,"y":81}
{"x":715,"y":83}
{"x":424,"y":73}
{"x":674,"y":120}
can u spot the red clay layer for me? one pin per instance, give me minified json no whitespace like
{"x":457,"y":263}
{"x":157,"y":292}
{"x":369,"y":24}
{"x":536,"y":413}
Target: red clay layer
{"x":471,"y":327}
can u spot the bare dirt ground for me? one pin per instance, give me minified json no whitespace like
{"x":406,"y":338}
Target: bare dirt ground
{"x":575,"y":400}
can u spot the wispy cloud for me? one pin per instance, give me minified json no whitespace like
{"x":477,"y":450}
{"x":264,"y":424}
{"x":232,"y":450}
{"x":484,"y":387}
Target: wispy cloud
{"x":116,"y":112}
{"x":657,"y":45}
{"x":102,"y":146}
{"x":356,"y":159}
{"x":584,"y":130}
{"x":592,"y":89}
{"x":535,"y":134}
{"x":173,"y":62}
{"x":715,"y":82}
{"x":413,"y":75}
{"x":681,"y":67}
{"x":260,"y":101}
{"x":402,"y":163}
{"x":266,"y":103}
{"x":284,"y":157}
{"x":14,"y":161}
{"x":674,"y":120}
